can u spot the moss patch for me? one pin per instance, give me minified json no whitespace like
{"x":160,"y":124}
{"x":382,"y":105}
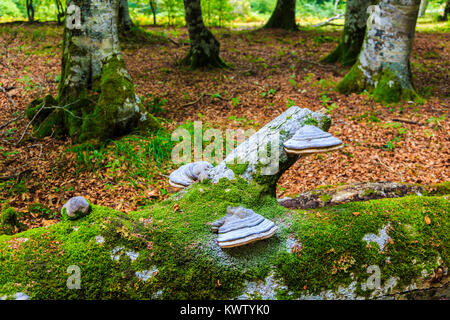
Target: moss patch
{"x":174,"y":240}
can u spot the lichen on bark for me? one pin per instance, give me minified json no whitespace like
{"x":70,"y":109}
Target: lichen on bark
{"x":383,"y":67}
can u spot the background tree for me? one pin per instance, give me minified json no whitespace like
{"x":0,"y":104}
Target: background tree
{"x":96,"y":98}
{"x":283,"y":16}
{"x":383,"y":66}
{"x":446,"y":12}
{"x":205,"y":48}
{"x":153,"y":5}
{"x":423,"y":7}
{"x":60,"y":11}
{"x":125,"y":23}
{"x":30,"y":10}
{"x":353,"y":35}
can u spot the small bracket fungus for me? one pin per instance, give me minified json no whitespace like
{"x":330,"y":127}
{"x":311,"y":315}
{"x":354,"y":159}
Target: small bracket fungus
{"x":242,"y":226}
{"x":76,"y":208}
{"x":310,"y":139}
{"x":189,"y":173}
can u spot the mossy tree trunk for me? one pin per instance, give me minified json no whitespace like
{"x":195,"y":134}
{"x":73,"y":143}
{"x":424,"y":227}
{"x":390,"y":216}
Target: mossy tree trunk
{"x":353,"y":35}
{"x":383,"y":66}
{"x":205,"y":48}
{"x":261,"y":158}
{"x":96,"y":99}
{"x":283,"y":16}
{"x":125,"y":22}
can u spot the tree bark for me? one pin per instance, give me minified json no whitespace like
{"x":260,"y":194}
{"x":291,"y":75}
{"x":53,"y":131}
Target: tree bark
{"x":383,"y":66}
{"x":262,"y":158}
{"x":96,"y":99}
{"x":353,"y":35}
{"x":283,"y":16}
{"x":205,"y":48}
{"x":30,"y":10}
{"x":125,"y":22}
{"x":153,"y":8}
{"x":423,"y":7}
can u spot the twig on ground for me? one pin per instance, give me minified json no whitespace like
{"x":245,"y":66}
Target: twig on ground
{"x":7,"y":123}
{"x":407,"y":121}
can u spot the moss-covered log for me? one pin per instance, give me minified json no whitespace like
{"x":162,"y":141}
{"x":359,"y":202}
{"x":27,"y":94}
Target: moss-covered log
{"x":96,"y":98}
{"x":352,"y":37}
{"x":383,"y":66}
{"x":169,"y":251}
{"x":283,"y":16}
{"x":205,"y":49}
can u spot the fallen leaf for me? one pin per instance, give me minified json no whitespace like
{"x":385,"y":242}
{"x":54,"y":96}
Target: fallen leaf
{"x":427,"y":219}
{"x":356,"y":214}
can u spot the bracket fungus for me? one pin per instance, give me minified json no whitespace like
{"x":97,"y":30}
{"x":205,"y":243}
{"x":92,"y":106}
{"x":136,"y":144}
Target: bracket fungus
{"x":310,"y":139}
{"x":189,"y":173}
{"x":241,"y":226}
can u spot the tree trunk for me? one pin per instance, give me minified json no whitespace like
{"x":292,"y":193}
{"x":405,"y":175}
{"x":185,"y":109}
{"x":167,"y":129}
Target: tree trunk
{"x":423,"y":7}
{"x":262,"y":158}
{"x":383,"y":65}
{"x":153,"y":7}
{"x":96,"y":98}
{"x":30,"y":10}
{"x":446,"y":11}
{"x":353,"y":35}
{"x":283,"y":16}
{"x":125,"y":22}
{"x":204,"y":51}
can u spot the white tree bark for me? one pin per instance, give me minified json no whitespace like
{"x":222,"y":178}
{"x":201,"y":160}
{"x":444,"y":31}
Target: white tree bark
{"x":383,"y":64}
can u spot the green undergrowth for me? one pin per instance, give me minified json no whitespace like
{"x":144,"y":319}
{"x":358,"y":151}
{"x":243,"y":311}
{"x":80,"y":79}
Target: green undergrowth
{"x":174,"y":241}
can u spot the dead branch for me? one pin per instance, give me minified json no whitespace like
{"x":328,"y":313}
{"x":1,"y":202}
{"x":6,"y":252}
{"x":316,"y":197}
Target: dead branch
{"x":9,"y":96}
{"x":329,"y":20}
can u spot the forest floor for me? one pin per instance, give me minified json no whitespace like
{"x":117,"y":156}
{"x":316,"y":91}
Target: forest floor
{"x":271,"y":70}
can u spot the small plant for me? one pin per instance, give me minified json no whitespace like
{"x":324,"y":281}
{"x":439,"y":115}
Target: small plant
{"x":235,"y":101}
{"x":292,"y":80}
{"x":290,"y":103}
{"x":154,"y":104}
{"x":270,"y":92}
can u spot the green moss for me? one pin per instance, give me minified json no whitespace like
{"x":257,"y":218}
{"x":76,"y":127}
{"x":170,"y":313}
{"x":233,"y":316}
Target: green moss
{"x":438,"y":189}
{"x":238,"y":168}
{"x":325,"y":198}
{"x":390,"y":88}
{"x":174,"y":236}
{"x":353,"y":81}
{"x":334,"y":253}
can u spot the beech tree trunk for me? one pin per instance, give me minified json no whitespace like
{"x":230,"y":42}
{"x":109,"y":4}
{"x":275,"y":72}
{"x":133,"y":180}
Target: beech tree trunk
{"x":383,"y":65}
{"x":96,"y":98}
{"x":423,"y":7}
{"x":125,"y":22}
{"x":60,"y":11}
{"x":205,"y":48}
{"x":283,"y":16}
{"x":353,"y":35}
